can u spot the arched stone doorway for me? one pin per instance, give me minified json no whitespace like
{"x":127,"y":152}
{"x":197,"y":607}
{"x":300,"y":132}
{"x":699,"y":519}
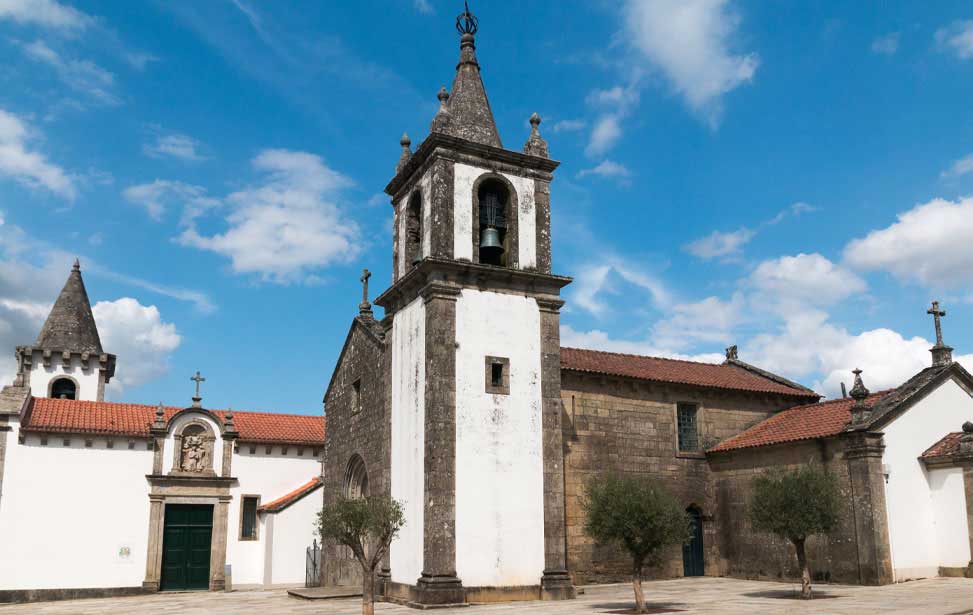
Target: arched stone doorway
{"x":692,"y":551}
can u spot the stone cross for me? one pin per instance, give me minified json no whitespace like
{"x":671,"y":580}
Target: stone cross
{"x":937,"y":314}
{"x":197,"y":379}
{"x":364,"y":280}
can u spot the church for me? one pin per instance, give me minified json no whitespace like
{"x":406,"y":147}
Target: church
{"x":461,"y":403}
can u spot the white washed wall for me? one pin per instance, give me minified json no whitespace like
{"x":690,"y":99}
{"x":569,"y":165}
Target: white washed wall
{"x":270,"y":477}
{"x":499,"y":457}
{"x":87,"y":379}
{"x":948,"y":499}
{"x":67,"y":514}
{"x":911,"y":511}
{"x":294,"y":530}
{"x":408,"y":437}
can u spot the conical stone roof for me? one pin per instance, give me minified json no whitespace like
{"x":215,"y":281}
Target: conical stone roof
{"x":71,"y":326}
{"x":469,"y":114}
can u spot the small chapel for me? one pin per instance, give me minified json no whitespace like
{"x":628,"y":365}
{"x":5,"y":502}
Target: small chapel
{"x":460,"y":403}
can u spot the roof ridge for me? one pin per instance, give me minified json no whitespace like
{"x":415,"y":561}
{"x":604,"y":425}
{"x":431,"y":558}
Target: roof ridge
{"x":642,"y":356}
{"x":177,"y":408}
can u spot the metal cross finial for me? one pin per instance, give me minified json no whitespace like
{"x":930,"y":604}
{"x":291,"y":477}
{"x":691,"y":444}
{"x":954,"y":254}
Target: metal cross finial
{"x":466,"y":22}
{"x":937,"y":314}
{"x":197,"y":379}
{"x":364,"y":281}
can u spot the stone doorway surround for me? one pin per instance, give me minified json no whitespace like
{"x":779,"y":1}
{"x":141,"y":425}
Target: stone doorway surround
{"x":183,"y":487}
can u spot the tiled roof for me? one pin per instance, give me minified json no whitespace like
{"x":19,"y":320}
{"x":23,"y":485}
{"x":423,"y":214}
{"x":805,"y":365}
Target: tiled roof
{"x":712,"y":375}
{"x":807,"y":422}
{"x":133,"y":420}
{"x":286,"y":500}
{"x":947,"y":446}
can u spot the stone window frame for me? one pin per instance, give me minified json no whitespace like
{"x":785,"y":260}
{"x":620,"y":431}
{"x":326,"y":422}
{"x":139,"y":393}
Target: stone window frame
{"x":77,"y":385}
{"x":512,"y":237}
{"x":256,"y":521}
{"x":504,"y":387}
{"x":413,"y":249}
{"x":698,"y":452}
{"x":210,"y":435}
{"x":356,"y":396}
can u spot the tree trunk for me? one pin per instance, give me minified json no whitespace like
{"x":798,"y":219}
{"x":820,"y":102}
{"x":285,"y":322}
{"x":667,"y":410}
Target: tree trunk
{"x":368,"y":592}
{"x":637,"y":584}
{"x":805,"y":571}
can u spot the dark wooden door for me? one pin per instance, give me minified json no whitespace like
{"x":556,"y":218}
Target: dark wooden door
{"x":186,"y":543}
{"x":692,"y":551}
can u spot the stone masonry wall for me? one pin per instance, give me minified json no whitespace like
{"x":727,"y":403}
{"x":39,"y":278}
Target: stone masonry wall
{"x":756,"y":555}
{"x":364,"y":432}
{"x":619,"y":425}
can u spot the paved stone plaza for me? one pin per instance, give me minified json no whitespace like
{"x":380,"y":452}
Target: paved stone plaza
{"x":692,"y":596}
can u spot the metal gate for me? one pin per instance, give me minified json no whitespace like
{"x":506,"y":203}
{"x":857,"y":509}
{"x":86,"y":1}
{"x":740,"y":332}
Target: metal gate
{"x":312,"y":565}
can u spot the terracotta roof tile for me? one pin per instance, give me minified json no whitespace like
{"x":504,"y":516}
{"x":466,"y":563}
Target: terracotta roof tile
{"x":807,"y":422}
{"x":713,"y":375}
{"x":286,"y":500}
{"x":947,"y":446}
{"x":133,"y":420}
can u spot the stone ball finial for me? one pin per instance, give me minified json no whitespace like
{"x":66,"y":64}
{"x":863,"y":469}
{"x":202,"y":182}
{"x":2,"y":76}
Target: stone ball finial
{"x":858,"y":391}
{"x":405,"y":141}
{"x":535,"y":120}
{"x":968,"y":427}
{"x":442,"y":95}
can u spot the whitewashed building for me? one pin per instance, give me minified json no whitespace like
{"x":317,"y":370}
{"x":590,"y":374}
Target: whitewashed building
{"x":101,"y":498}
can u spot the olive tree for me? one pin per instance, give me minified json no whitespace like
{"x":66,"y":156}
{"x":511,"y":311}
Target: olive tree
{"x":637,"y":514}
{"x":367,"y":526}
{"x":796,"y":504}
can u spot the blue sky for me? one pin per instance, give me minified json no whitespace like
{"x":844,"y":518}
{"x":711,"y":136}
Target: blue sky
{"x":788,"y":177}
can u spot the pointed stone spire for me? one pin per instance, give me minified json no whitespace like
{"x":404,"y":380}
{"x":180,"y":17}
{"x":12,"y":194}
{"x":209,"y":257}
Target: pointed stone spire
{"x":440,"y":123}
{"x":859,"y":411}
{"x":536,"y":145}
{"x":70,"y":327}
{"x":942,"y":354}
{"x":470,"y":116}
{"x":406,"y":143}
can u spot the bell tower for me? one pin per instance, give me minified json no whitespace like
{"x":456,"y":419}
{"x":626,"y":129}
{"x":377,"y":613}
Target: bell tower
{"x":473,"y":311}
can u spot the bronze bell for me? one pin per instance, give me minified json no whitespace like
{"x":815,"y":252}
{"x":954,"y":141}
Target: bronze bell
{"x":490,"y":246}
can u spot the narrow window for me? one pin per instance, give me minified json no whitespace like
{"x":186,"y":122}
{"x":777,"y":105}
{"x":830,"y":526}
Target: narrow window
{"x":413,"y":230}
{"x":356,"y":396}
{"x":492,"y":198}
{"x":498,"y":375}
{"x":64,"y":388}
{"x":687,"y":427}
{"x":248,"y":517}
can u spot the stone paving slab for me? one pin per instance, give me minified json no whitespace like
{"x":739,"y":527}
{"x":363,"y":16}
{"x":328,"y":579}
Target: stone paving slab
{"x":700,"y":596}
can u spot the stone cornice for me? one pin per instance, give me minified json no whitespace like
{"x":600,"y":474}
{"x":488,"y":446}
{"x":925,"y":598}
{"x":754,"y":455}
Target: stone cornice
{"x":105,"y":360}
{"x":449,"y":276}
{"x":438,"y":144}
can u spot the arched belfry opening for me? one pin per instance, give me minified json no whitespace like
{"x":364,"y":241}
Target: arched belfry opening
{"x":356,"y":478}
{"x":493,"y":198}
{"x":64,"y":388}
{"x":413,"y":229}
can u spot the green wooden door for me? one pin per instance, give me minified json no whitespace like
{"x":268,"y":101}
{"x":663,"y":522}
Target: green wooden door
{"x":186,"y":546}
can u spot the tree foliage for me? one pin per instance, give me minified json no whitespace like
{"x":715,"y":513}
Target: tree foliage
{"x":367,"y":526}
{"x":795,"y":504}
{"x":639,"y":515}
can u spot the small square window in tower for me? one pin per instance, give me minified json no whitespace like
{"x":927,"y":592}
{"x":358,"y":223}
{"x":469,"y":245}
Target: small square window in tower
{"x":498,"y":375}
{"x":493,"y":200}
{"x":686,"y":424}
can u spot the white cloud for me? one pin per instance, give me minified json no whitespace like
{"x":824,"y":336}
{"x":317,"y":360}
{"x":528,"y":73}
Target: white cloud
{"x":591,"y":282}
{"x":928,"y":244}
{"x":174,"y":145}
{"x":720,"y":245}
{"x":690,"y":42}
{"x":287,"y":226}
{"x":960,"y":167}
{"x":604,"y":135}
{"x":46,"y":13}
{"x":81,"y":75}
{"x":138,"y":336}
{"x":157,"y":195}
{"x":608,"y":169}
{"x":886,"y":45}
{"x":709,"y":321}
{"x":957,"y":37}
{"x":804,"y":280}
{"x":568,"y":126}
{"x":29,"y":167}
{"x":596,"y":339}
{"x":423,"y":6}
